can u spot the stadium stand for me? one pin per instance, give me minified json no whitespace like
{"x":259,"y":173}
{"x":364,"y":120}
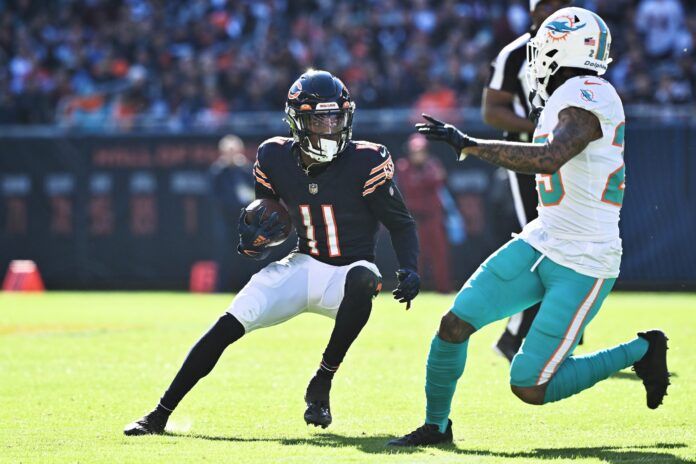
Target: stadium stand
{"x":183,"y":64}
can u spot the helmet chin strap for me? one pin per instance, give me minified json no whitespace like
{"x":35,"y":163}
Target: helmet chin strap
{"x":535,"y":110}
{"x":532,"y":96}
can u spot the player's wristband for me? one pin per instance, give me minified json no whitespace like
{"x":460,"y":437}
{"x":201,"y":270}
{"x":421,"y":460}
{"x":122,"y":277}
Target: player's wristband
{"x":468,"y":142}
{"x":253,"y":253}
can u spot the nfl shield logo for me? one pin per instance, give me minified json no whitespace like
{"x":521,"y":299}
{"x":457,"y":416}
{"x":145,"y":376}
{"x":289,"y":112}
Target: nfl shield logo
{"x":313,"y":189}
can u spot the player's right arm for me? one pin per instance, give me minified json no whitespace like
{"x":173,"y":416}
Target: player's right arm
{"x":263,"y":186}
{"x":576,"y":129}
{"x":254,"y":235}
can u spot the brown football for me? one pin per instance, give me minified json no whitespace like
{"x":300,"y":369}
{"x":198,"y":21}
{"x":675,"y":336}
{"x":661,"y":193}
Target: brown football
{"x":272,"y":206}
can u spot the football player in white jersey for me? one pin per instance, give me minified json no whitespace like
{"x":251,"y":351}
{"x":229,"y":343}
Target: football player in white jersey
{"x":568,"y":258}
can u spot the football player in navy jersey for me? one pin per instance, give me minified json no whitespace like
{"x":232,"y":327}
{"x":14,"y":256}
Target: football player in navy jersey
{"x":336,"y":191}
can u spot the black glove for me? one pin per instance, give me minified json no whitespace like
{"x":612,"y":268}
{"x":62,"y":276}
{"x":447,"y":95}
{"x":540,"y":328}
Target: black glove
{"x":408,"y":288}
{"x":438,"y":130}
{"x":254,"y":237}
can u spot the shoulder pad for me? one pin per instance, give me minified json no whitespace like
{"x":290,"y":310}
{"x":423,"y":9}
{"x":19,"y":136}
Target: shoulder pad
{"x":267,"y":151}
{"x":372,"y":153}
{"x":590,"y":93}
{"x":365,"y":145}
{"x":279,"y":141}
{"x":590,"y":89}
{"x":273,"y":145}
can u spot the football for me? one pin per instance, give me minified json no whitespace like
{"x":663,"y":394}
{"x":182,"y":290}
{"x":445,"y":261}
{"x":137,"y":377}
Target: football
{"x":271,"y":206}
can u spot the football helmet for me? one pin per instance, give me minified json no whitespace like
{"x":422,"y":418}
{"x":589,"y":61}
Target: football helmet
{"x":320,"y":115}
{"x":570,"y":38}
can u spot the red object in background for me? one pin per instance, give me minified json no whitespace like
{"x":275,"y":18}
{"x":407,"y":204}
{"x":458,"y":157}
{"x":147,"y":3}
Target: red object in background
{"x":119,"y":67}
{"x":23,"y":276}
{"x":203,"y":276}
{"x":421,"y":186}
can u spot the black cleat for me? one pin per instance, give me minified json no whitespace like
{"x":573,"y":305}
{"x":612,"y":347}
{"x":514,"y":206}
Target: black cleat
{"x":652,"y":368}
{"x":425,"y":435}
{"x":151,"y":424}
{"x":318,"y":412}
{"x":507,"y":345}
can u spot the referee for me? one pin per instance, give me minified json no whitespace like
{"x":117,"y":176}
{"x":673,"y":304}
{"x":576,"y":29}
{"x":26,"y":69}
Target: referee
{"x":506,"y":107}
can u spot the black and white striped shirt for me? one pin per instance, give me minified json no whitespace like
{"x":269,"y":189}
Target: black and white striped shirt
{"x":508,"y":71}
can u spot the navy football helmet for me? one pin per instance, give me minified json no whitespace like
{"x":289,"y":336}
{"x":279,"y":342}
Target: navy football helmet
{"x":320,"y":114}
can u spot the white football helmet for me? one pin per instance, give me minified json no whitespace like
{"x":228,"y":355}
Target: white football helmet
{"x":570,"y":38}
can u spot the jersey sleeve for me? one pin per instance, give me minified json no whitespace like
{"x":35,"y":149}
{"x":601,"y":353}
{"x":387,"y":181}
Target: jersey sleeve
{"x":592,"y":94}
{"x":378,"y":167}
{"x":388,"y":207}
{"x":263,"y":185}
{"x":386,"y":203}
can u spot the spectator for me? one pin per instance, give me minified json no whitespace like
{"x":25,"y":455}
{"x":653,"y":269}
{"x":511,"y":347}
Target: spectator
{"x":232,"y":185}
{"x":661,"y":22}
{"x":672,"y":90}
{"x":421,"y":178}
{"x":184,"y":64}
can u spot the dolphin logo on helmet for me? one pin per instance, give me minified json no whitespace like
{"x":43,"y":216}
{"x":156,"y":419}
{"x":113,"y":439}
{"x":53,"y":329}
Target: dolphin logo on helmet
{"x":561,"y":27}
{"x":573,"y":38}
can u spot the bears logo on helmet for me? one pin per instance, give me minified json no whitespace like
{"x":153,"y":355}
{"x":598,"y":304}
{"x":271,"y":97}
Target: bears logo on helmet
{"x":295,"y":90}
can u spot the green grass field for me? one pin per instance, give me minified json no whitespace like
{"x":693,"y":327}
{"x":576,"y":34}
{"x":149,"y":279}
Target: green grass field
{"x":76,"y":367}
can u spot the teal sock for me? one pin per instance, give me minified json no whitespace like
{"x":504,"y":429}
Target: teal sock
{"x":578,"y":373}
{"x":445,"y":365}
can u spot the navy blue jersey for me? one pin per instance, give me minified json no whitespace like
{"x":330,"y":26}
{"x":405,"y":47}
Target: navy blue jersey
{"x":336,"y":210}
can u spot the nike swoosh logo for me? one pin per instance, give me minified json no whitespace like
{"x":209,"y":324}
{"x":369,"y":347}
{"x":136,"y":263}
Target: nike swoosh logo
{"x":592,"y":83}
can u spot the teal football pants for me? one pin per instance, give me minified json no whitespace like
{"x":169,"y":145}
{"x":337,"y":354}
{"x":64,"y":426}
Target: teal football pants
{"x":514,"y":278}
{"x":511,"y":280}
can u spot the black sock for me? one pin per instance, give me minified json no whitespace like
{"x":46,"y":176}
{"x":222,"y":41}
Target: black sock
{"x":326,"y":370}
{"x":162,"y":410}
{"x":353,"y":313}
{"x":201,"y":360}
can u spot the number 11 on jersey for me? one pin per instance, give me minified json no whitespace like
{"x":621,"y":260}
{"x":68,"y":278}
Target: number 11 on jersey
{"x":332,"y":242}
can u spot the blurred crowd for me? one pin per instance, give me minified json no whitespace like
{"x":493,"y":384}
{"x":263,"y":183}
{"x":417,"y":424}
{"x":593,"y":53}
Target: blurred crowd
{"x":190,"y":63}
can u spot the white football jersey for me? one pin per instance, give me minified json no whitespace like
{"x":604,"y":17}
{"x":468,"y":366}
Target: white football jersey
{"x":579,"y":206}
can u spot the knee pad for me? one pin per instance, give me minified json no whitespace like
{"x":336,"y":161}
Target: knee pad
{"x":361,"y":284}
{"x":524,"y":370}
{"x":248,"y":307}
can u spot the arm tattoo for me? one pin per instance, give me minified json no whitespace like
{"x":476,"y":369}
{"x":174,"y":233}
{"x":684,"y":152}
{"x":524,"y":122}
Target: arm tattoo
{"x":575,"y":130}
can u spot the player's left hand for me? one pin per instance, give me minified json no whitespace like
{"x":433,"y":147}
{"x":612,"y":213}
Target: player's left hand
{"x":441,"y":131}
{"x":409,"y":286}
